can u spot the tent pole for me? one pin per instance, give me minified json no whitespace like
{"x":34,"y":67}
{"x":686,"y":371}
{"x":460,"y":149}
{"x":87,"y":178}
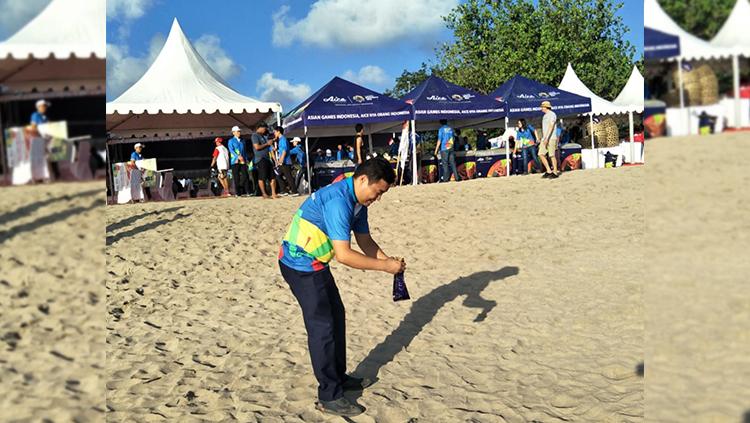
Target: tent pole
{"x":307,"y":158}
{"x":414,"y":153}
{"x":737,"y":104}
{"x":369,"y":139}
{"x":682,"y":95}
{"x":507,"y":150}
{"x":591,"y":132}
{"x":632,"y":138}
{"x":278,"y":118}
{"x":3,"y":160}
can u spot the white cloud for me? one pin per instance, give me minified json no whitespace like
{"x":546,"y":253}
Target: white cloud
{"x":14,"y":14}
{"x":281,"y":90}
{"x":209,"y":47}
{"x":127,"y":9}
{"x":123,"y":70}
{"x":369,"y":75}
{"x":354,"y":23}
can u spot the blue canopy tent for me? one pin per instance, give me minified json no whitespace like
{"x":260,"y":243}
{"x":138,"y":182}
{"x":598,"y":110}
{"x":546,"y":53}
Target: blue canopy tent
{"x":337,"y":107}
{"x":436,"y":99}
{"x":659,"y":45}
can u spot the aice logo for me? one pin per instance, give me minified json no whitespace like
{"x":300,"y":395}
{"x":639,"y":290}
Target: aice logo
{"x":525,"y":96}
{"x":436,"y":98}
{"x":334,"y":99}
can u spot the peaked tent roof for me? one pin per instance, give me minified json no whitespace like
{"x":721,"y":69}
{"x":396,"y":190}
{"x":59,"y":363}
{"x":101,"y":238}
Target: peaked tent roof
{"x":599,"y":106}
{"x":632,"y":93}
{"x":659,"y":45}
{"x":524,"y":97}
{"x":339,"y":105}
{"x":692,"y":47}
{"x":62,"y":49}
{"x":180,"y":96}
{"x":734,"y":34}
{"x":436,"y":99}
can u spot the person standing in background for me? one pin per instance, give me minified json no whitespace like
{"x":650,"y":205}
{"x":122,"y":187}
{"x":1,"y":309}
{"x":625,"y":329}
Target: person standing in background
{"x":238,"y":161}
{"x":548,"y":141}
{"x":359,"y":144}
{"x":39,"y":117}
{"x":285,"y":159}
{"x":221,"y":161}
{"x":263,"y":162}
{"x":299,"y":153}
{"x":447,"y":153}
{"x":526,"y":142}
{"x":135,"y":157}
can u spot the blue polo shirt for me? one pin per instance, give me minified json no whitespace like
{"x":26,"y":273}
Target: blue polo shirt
{"x":38,"y":118}
{"x":445,"y":136}
{"x":236,"y":149}
{"x":329,"y":214}
{"x":299,"y":153}
{"x":135,"y":156}
{"x":284,"y":147}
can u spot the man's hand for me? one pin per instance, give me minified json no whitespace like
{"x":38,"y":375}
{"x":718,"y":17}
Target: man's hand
{"x":395,"y":265}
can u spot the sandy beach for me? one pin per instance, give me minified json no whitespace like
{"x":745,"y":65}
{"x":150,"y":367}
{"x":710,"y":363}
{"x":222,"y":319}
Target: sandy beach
{"x":696,"y":297}
{"x":52,"y":301}
{"x":526,"y":307}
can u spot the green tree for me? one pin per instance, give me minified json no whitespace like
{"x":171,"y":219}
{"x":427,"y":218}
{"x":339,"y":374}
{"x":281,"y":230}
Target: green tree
{"x":702,"y":18}
{"x":408,"y":80}
{"x":493,"y":40}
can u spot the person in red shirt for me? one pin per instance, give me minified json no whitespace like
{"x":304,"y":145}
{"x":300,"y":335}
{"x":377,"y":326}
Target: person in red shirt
{"x":221,"y":161}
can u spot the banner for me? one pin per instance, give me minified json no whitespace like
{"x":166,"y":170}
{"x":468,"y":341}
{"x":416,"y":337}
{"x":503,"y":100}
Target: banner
{"x":57,"y":134}
{"x":148,"y":172}
{"x":27,"y":155}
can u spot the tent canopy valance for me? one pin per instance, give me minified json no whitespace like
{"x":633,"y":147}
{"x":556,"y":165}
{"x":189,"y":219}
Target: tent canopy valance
{"x":339,"y":105}
{"x":659,"y":45}
{"x":62,"y":49}
{"x":180,"y":95}
{"x":524,"y":97}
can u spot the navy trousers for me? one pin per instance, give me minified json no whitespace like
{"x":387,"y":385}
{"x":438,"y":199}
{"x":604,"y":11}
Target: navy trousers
{"x":325,"y":321}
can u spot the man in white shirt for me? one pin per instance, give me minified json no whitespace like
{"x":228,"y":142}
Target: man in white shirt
{"x":221,"y":161}
{"x":548,"y":141}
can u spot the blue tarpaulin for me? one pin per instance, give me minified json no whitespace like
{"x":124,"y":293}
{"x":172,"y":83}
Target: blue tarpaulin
{"x":524,"y":96}
{"x":339,"y":105}
{"x":436,"y":99}
{"x":659,"y":45}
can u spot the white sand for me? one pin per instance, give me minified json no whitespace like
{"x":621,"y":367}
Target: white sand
{"x":52,"y":302}
{"x":526,"y":306}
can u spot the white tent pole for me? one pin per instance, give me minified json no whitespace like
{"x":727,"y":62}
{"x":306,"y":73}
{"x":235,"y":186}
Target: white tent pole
{"x":591,"y":132}
{"x":307,"y":156}
{"x":737,"y":104}
{"x":369,"y":139}
{"x":507,"y":149}
{"x":632,"y":138}
{"x":278,"y":118}
{"x":682,"y":96}
{"x":414,"y":153}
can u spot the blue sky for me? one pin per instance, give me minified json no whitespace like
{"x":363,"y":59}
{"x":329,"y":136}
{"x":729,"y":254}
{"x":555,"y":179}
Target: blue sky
{"x":280,"y":50}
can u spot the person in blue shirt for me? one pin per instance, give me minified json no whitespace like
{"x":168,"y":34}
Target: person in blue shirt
{"x":319,"y":232}
{"x":285,"y":160}
{"x":298,"y":152}
{"x":526,"y":142}
{"x":351,"y":152}
{"x":136,"y":156}
{"x":238,"y":161}
{"x":447,"y":152}
{"x":40,"y":115}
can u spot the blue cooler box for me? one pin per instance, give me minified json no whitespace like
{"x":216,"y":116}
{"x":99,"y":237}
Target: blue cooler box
{"x":490,"y":161}
{"x":324,"y":173}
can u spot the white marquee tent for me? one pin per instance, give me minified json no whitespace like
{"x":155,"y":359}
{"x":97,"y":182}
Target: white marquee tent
{"x":180,"y":96}
{"x":734,"y":36}
{"x":61,"y":52}
{"x":599,"y":106}
{"x":692,"y":47}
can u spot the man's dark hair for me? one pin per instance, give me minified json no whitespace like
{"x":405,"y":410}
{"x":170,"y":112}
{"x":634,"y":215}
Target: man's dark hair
{"x":279,"y":128}
{"x":262,"y":125}
{"x":376,"y":169}
{"x":443,"y":121}
{"x":358,"y":127}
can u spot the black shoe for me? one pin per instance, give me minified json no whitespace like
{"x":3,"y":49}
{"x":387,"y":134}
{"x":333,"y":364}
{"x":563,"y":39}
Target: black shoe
{"x":553,"y":176}
{"x":340,"y":407}
{"x":356,"y":383}
{"x":546,"y":175}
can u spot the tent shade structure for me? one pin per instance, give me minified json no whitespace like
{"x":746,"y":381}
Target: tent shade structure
{"x":524,"y":97}
{"x":734,"y":34}
{"x":659,"y":45}
{"x":180,"y":96}
{"x":60,"y":52}
{"x":632,"y":94}
{"x":599,"y":106}
{"x":436,"y":99}
{"x":335,"y":108}
{"x":691,"y":47}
